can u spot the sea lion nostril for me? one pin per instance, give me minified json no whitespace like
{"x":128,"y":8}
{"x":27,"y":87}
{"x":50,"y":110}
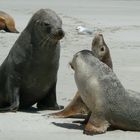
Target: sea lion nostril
{"x":60,"y":32}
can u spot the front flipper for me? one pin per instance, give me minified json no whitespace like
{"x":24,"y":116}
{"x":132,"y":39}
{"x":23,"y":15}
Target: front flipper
{"x":96,"y":124}
{"x":11,"y":95}
{"x":49,"y":101}
{"x":75,"y":109}
{"x":14,"y":105}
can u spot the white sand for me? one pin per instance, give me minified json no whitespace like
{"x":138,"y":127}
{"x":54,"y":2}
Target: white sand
{"x":119,"y":21}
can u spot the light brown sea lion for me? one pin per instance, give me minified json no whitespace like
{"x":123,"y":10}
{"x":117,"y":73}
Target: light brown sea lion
{"x":77,"y":108}
{"x":29,"y":73}
{"x":7,"y":23}
{"x":109,"y":102}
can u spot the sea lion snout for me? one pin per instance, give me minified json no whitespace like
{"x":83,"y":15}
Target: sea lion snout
{"x":99,"y":47}
{"x":59,"y":34}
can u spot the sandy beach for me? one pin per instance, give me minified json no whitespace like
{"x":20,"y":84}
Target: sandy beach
{"x":117,"y":20}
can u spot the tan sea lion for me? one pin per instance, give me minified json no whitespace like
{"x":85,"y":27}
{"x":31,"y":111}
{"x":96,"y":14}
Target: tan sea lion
{"x":7,"y":23}
{"x":29,"y":73}
{"x":104,"y":95}
{"x":77,"y":108}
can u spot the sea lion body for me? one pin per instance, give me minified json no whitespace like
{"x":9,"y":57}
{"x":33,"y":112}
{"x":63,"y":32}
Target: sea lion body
{"x":7,"y":23}
{"x":100,"y":89}
{"x":77,"y":108}
{"x":29,"y":73}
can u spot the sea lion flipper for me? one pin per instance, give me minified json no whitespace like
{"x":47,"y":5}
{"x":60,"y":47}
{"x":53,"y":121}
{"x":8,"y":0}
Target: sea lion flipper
{"x":96,"y":124}
{"x":13,"y":94}
{"x":13,"y":108}
{"x":76,"y":109}
{"x":14,"y":102}
{"x":49,"y":101}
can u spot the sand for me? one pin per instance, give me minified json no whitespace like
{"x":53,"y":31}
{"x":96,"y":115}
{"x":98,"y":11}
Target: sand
{"x":118,"y":20}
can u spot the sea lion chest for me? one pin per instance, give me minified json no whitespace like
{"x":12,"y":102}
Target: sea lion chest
{"x":40,"y":71}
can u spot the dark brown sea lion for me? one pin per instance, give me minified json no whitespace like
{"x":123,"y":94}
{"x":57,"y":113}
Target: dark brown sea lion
{"x":104,"y":95}
{"x":29,"y":73}
{"x":7,"y":23}
{"x":77,"y":108}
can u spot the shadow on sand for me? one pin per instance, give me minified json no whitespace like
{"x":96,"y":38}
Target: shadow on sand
{"x":69,"y":125}
{"x":75,"y":125}
{"x":30,"y":110}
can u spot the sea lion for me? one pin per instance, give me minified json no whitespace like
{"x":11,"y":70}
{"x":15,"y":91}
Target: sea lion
{"x":77,"y":108}
{"x":104,"y":95}
{"x":29,"y":73}
{"x":7,"y":23}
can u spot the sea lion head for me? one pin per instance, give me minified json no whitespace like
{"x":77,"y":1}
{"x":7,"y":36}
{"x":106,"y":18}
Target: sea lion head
{"x":99,"y":47}
{"x":46,"y":24}
{"x":101,"y":51}
{"x":81,"y":59}
{"x":7,"y":23}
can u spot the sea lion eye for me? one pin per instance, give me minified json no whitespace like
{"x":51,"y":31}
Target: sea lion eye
{"x":47,"y":27}
{"x":102,"y":49}
{"x":46,"y":24}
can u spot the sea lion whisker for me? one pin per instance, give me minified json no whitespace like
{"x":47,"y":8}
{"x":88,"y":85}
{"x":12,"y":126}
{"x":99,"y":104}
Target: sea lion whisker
{"x":51,"y":35}
{"x":44,"y":40}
